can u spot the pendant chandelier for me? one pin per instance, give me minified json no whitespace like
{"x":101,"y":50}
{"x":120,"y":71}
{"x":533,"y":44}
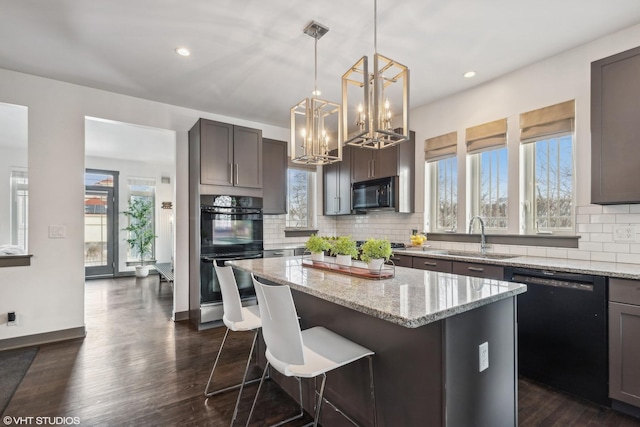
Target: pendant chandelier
{"x":316,"y":131}
{"x":371,"y":101}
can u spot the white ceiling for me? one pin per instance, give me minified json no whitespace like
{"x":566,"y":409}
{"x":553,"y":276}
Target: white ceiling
{"x":251,"y":60}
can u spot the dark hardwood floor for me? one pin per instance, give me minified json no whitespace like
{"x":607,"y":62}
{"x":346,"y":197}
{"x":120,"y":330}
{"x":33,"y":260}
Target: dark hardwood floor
{"x":136,"y":367}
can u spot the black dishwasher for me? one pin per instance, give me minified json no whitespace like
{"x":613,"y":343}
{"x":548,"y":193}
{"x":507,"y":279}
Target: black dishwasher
{"x":562,"y":331}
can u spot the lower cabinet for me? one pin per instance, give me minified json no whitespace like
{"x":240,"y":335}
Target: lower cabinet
{"x":432,"y":264}
{"x":402,"y":260}
{"x":486,"y":271}
{"x":624,"y":345}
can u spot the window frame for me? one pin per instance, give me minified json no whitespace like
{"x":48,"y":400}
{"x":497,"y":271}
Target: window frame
{"x":19,"y":208}
{"x":474,"y":184}
{"x":137,"y":193}
{"x":433,"y":174}
{"x":527,"y":195}
{"x":311,"y":202}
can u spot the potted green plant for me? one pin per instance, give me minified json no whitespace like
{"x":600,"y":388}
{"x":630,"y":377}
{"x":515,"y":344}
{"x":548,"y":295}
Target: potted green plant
{"x":344,"y":249}
{"x":140,"y":231}
{"x":317,"y":245}
{"x":375,"y":252}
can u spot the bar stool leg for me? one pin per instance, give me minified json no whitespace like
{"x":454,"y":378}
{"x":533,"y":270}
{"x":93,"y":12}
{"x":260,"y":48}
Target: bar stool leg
{"x":207,"y":393}
{"x":244,"y":377}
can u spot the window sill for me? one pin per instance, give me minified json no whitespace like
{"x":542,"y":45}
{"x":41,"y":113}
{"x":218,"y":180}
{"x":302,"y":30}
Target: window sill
{"x":299,"y":232}
{"x":509,"y":239}
{"x":15,"y":260}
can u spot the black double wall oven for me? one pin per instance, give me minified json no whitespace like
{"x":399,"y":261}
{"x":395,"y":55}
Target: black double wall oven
{"x":231,"y":228}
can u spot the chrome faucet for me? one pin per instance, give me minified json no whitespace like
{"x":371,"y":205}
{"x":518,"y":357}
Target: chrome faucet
{"x":483,"y":243}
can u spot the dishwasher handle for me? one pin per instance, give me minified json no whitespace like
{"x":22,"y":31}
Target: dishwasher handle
{"x":547,"y":281}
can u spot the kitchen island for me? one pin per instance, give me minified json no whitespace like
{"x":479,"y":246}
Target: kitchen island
{"x":426,"y":329}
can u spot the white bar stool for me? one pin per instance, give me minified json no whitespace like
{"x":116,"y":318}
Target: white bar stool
{"x":238,"y":319}
{"x":302,"y":354}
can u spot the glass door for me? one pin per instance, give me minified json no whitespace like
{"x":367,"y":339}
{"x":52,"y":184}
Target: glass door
{"x":100,"y":228}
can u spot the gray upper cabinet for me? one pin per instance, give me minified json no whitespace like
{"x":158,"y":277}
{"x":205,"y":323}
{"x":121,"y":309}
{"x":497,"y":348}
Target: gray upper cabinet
{"x":615,"y":128}
{"x":370,"y":164}
{"x":274,"y":177}
{"x":230,"y":155}
{"x":337,"y":185}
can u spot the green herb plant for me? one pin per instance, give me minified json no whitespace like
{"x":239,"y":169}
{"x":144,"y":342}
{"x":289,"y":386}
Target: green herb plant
{"x":317,"y":244}
{"x":376,"y":248}
{"x":344,"y":245}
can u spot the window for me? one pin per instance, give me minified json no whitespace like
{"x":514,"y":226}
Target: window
{"x":143,"y":189}
{"x":444,"y":194}
{"x":19,"y":183}
{"x":547,"y":156}
{"x":549,"y":184}
{"x":300,"y":185}
{"x":442,"y":164}
{"x":488,"y":185}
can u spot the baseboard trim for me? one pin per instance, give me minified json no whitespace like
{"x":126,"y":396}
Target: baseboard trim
{"x":44,"y":338}
{"x":181,"y":316}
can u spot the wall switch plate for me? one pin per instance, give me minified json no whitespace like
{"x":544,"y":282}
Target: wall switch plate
{"x":624,"y":233}
{"x":12,"y":318}
{"x":57,"y":231}
{"x":483,"y":355}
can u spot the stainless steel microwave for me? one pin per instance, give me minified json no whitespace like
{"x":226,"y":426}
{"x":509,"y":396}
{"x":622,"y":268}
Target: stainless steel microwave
{"x":377,"y":194}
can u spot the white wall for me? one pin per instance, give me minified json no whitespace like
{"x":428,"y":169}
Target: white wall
{"x":49,"y":294}
{"x":560,"y":78}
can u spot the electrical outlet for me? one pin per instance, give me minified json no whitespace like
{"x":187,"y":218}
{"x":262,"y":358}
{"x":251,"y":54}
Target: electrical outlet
{"x":624,"y":233}
{"x":12,"y":318}
{"x":483,"y":354}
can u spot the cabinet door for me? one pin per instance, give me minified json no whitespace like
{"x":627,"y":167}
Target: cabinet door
{"x":361,"y":162}
{"x":274,"y":176}
{"x":432,"y":264}
{"x":624,"y":353}
{"x":216,"y":153}
{"x":615,"y":102}
{"x":385,"y":162}
{"x":478,"y":270}
{"x":337,"y":185}
{"x":402,"y":260}
{"x":247,"y":157}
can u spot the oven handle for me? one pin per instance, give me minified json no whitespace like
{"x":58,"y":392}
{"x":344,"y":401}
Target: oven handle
{"x":232,"y":212}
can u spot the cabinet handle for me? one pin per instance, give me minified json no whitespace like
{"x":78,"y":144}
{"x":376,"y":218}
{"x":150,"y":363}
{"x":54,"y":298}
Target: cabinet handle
{"x":237,"y":173}
{"x":431,"y":264}
{"x":477,"y":269}
{"x":337,"y":204}
{"x":278,"y":253}
{"x":230,"y":173}
{"x":373,"y":168}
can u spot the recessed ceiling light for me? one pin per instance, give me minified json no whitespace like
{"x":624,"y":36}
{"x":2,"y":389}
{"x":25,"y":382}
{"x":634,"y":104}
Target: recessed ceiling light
{"x":316,"y":93}
{"x":183,"y":51}
{"x":469,"y":74}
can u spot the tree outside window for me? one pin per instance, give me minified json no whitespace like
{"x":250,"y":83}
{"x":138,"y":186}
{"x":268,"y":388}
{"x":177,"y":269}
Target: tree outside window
{"x":299,"y":198}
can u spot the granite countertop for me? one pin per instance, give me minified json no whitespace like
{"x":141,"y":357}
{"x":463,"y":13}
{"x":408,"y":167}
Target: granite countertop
{"x":412,"y":298}
{"x":609,"y":269}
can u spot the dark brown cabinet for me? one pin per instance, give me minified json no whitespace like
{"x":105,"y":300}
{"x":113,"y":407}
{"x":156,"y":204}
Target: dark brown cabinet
{"x":337,"y":185}
{"x":432,"y":264}
{"x":624,"y":346}
{"x":485,"y":271}
{"x":230,"y":155}
{"x":615,"y":128}
{"x":274,"y":176}
{"x":402,"y":260}
{"x":370,"y":164}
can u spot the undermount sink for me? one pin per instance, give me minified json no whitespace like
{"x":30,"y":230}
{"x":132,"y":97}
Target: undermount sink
{"x":468,"y":254}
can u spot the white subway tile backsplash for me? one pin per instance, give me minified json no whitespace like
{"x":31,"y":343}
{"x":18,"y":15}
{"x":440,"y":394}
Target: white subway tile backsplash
{"x":536,"y":251}
{"x":601,"y":237}
{"x":628,"y":258}
{"x":616,"y":247}
{"x":557,"y":253}
{"x":590,"y":209}
{"x":628,"y":219}
{"x":518,"y":250}
{"x":603,"y":256}
{"x":589,"y":228}
{"x":634,"y":208}
{"x":589,"y":246}
{"x":603,"y":219}
{"x":578,"y":254}
{"x":615,"y":209}
{"x":634,"y":248}
{"x":583,"y":219}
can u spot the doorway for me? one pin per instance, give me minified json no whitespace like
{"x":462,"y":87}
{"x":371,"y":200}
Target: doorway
{"x":100,"y":223}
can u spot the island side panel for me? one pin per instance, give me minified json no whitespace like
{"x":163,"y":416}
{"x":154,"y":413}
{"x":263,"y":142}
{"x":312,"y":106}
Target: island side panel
{"x":408,"y":367}
{"x":487,"y":398}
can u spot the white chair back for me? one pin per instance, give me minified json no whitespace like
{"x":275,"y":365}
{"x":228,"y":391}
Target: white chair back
{"x":280,"y":327}
{"x":231,"y":303}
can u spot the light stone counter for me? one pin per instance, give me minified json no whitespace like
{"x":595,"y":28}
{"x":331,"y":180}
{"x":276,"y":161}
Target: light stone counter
{"x":599,"y":268}
{"x":412,"y":298}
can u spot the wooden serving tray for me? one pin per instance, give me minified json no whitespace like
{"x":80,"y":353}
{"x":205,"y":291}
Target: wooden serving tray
{"x":386,"y":272}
